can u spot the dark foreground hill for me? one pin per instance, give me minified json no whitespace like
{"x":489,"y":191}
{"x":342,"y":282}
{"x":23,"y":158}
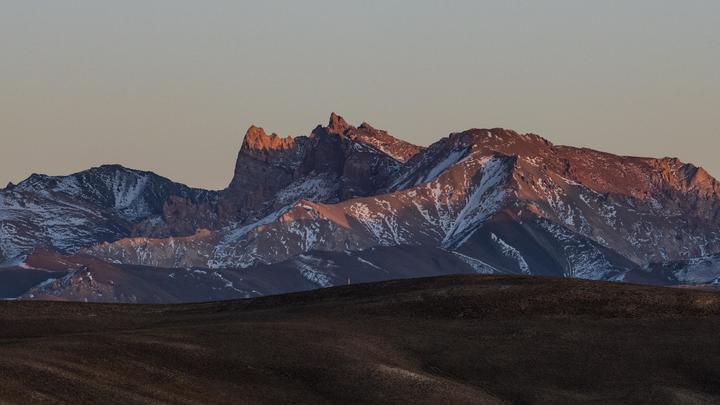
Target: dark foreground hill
{"x":458,"y":339}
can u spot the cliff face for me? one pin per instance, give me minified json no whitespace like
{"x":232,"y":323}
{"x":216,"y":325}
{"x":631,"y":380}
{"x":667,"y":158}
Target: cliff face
{"x":346,"y":165}
{"x":265,"y":165}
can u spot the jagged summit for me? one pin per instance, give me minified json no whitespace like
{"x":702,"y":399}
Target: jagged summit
{"x":333,"y":164}
{"x":367,"y":135}
{"x":337,"y":124}
{"x":257,"y":139}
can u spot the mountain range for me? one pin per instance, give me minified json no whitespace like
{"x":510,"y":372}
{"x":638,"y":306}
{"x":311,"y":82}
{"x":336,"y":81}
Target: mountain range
{"x":349,"y":204}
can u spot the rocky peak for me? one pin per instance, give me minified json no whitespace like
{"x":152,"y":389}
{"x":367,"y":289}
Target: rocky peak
{"x":501,"y":140}
{"x":381,"y":140}
{"x":359,"y":160}
{"x":366,"y":135}
{"x":264,"y":165}
{"x":337,"y":124}
{"x":702,"y":178}
{"x":366,"y":127}
{"x":257,"y":139}
{"x":686,"y":177}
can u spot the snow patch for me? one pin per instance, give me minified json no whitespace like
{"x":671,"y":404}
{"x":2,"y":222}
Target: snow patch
{"x":484,"y":200}
{"x":308,"y":267}
{"x":477,"y":265}
{"x":453,"y":157}
{"x":511,"y":252}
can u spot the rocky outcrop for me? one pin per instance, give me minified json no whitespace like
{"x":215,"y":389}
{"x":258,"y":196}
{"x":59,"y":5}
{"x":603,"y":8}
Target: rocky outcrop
{"x":267,"y":165}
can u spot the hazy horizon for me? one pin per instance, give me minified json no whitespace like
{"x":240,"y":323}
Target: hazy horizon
{"x":171,"y":86}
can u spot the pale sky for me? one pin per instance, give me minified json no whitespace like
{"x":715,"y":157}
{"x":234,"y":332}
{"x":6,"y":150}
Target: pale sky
{"x":171,"y":85}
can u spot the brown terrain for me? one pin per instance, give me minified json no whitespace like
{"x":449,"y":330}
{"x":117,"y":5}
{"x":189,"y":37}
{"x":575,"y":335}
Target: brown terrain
{"x":457,"y":339}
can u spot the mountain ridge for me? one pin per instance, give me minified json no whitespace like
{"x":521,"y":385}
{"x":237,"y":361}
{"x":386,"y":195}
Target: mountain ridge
{"x":494,"y":199}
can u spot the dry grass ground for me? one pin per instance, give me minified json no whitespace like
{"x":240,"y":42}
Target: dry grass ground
{"x":459,"y":339}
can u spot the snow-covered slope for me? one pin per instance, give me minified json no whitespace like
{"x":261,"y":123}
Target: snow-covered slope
{"x":70,"y":212}
{"x":704,"y":270}
{"x":438,"y":213}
